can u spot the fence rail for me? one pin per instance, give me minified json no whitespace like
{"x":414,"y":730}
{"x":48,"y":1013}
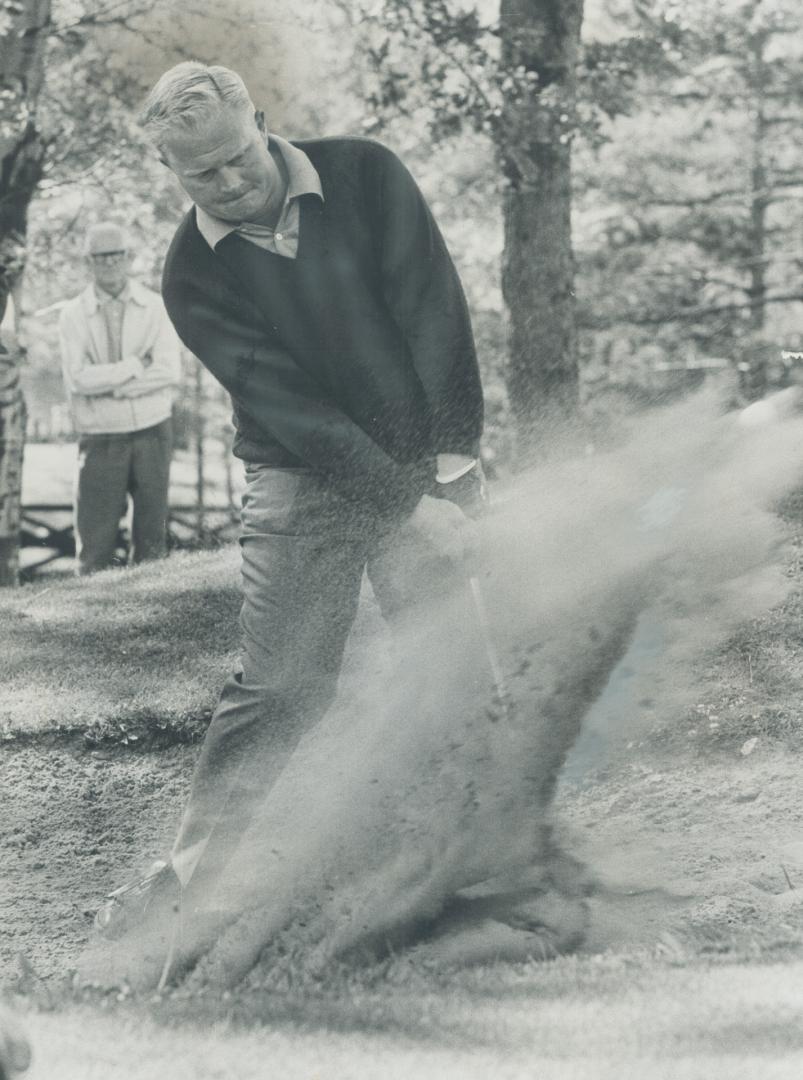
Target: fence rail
{"x":44,"y":540}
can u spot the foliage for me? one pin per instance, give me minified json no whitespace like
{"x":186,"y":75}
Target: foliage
{"x":444,"y":64}
{"x":688,"y":215}
{"x":687,"y":155}
{"x":452,"y":69}
{"x":682,"y":248}
{"x":101,"y":62}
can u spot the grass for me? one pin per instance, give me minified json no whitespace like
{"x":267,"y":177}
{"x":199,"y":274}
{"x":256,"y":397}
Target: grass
{"x":126,"y":656}
{"x":590,"y":1019}
{"x":752,"y":687}
{"x":121,"y":654}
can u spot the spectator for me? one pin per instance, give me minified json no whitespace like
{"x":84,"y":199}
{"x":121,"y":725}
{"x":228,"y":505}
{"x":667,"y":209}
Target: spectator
{"x":121,"y":363}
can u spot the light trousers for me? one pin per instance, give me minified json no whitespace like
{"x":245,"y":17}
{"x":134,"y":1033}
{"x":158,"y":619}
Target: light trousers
{"x":304,"y":551}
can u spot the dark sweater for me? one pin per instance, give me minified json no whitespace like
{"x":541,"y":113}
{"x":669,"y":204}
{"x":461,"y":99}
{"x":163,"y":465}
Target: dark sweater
{"x":356,"y":358}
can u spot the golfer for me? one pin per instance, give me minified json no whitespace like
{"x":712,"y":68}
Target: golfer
{"x":311,"y":279}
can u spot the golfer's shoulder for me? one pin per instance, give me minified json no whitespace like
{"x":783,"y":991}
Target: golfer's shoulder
{"x":354,"y":154}
{"x":185,"y":256}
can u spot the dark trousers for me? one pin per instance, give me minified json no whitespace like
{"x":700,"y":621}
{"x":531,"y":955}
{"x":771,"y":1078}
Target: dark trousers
{"x":111,"y":467}
{"x":304,"y":554}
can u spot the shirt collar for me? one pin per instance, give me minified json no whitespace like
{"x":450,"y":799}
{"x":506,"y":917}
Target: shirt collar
{"x":133,"y":292}
{"x":302,"y":179}
{"x":104,"y":297}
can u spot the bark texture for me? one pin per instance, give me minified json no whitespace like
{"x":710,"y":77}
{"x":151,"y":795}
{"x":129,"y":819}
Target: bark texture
{"x":23,"y":40}
{"x":12,"y":442}
{"x":760,"y":198}
{"x":541,"y":38}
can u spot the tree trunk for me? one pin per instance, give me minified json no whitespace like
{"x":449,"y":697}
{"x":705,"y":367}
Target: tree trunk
{"x":23,"y":39}
{"x":540,"y":37}
{"x":759,"y":195}
{"x":12,"y":441}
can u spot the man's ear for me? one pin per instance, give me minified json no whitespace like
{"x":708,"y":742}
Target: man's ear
{"x":259,"y":120}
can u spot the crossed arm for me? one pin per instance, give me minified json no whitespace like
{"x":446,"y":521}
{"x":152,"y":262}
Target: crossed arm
{"x":156,"y":368}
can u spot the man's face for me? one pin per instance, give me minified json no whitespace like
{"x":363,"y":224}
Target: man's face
{"x":110,"y":270}
{"x":226,"y":168}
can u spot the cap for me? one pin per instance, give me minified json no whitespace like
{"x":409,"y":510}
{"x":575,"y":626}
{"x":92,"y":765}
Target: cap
{"x":105,"y":237}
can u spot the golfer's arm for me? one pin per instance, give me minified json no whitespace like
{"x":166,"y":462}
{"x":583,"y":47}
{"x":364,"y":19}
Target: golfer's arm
{"x":423,"y":290}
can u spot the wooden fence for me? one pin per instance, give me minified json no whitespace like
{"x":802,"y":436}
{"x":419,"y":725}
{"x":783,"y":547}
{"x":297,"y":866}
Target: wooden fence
{"x":47,"y":532}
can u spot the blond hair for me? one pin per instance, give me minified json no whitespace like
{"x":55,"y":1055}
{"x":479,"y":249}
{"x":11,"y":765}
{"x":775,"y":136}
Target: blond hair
{"x":188,"y":94}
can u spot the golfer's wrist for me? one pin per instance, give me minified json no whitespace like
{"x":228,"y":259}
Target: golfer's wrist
{"x":451,"y":467}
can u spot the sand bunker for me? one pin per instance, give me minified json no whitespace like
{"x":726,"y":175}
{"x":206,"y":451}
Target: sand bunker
{"x":417,"y":814}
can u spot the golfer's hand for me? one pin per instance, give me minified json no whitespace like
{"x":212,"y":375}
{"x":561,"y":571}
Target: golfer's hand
{"x":15,"y":1053}
{"x":445,"y":527}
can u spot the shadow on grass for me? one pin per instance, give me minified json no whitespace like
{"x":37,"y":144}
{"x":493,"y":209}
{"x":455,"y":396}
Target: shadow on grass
{"x":126,"y":647}
{"x":348,"y":1008}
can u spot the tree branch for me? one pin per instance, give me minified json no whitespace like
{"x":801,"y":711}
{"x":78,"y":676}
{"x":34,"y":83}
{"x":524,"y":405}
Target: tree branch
{"x":701,"y":312}
{"x":744,"y":193}
{"x":106,"y":17}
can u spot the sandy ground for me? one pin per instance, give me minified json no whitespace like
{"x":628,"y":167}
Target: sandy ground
{"x":692,"y":969}
{"x":697,"y":858}
{"x":76,"y":821}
